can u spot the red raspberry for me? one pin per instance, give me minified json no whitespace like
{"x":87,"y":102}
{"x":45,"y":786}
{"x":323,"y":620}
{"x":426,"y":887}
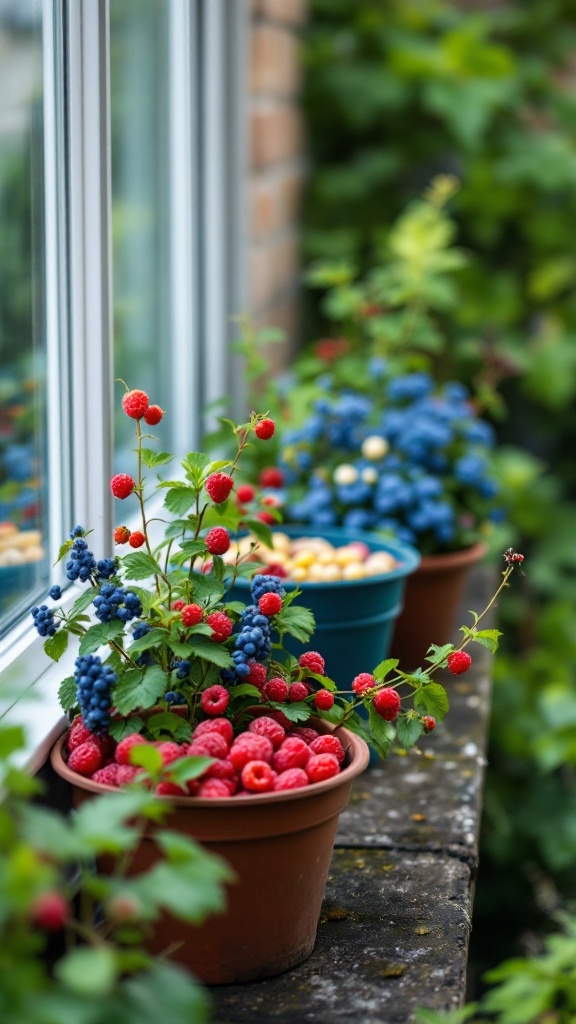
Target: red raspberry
{"x":121,"y":535}
{"x":293,"y":753}
{"x":266,"y":726}
{"x":250,"y":747}
{"x":108,"y":775}
{"x":322,"y":766}
{"x":270,"y":604}
{"x":276,"y":569}
{"x":459,"y":662}
{"x":265,"y":429}
{"x":280,"y":717}
{"x":222,"y":725}
{"x":222,"y":769}
{"x":217,"y":540}
{"x":214,"y":700}
{"x":328,"y":744}
{"x":177,"y":606}
{"x":79,"y":733}
{"x":266,"y":517}
{"x":122,"y":752}
{"x":245,"y":493}
{"x":50,"y":911}
{"x":213,"y":788}
{"x":122,"y":485}
{"x":169,"y":751}
{"x":258,"y":777}
{"x":135,"y":404}
{"x":86,"y":758}
{"x":167,"y":788}
{"x":137,"y":539}
{"x":222,"y":626}
{"x":323,"y":700}
{"x":305,"y":733}
{"x":276,"y":689}
{"x":271,"y":477}
{"x":387,"y":703}
{"x":257,"y":674}
{"x":153,"y":415}
{"x":210,"y":744}
{"x":127,"y":773}
{"x":362,"y":682}
{"x":313,"y":661}
{"x":428,"y":722}
{"x":191,"y":614}
{"x":297,"y":691}
{"x":219,"y":486}
{"x":292,"y":778}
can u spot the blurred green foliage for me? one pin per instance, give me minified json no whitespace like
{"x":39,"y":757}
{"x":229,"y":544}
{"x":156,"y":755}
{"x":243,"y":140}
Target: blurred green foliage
{"x":397,"y":92}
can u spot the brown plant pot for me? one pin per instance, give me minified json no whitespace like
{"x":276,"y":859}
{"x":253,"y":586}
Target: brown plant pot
{"x":279,"y":846}
{"x":431,"y":601}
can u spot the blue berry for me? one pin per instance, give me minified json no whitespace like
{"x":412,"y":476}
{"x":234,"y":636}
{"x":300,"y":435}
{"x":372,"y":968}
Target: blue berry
{"x":78,"y":531}
{"x":106,"y":568}
{"x":55,"y":592}
{"x":43,"y":617}
{"x":94,"y":684}
{"x":264,"y":584}
{"x":81,"y":563}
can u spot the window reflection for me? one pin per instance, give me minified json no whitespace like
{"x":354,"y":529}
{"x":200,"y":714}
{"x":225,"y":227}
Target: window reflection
{"x":23,"y":507}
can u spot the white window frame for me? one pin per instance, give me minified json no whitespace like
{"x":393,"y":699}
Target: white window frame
{"x":207,"y":279}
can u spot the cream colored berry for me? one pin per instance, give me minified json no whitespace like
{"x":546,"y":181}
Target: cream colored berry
{"x":353,"y":571}
{"x":374,"y":447}
{"x":345,"y":474}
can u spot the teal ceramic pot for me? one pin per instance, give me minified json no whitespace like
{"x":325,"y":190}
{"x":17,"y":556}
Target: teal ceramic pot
{"x":354,"y":618}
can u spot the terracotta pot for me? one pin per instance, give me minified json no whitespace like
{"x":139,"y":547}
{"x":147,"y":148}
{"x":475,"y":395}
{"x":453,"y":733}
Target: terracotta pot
{"x":280,"y":847}
{"x":431,"y":601}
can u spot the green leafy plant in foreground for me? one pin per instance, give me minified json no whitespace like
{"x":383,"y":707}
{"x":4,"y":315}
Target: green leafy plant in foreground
{"x":72,"y":941}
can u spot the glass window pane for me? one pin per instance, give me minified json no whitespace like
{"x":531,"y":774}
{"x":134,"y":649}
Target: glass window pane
{"x":139,"y":76}
{"x":23,"y":455}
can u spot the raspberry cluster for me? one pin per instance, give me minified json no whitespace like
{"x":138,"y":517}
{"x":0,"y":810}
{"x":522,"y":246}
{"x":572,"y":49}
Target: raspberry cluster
{"x":116,"y":603}
{"x":265,"y":757}
{"x":81,"y":563}
{"x":94,"y":683}
{"x":43,"y":617}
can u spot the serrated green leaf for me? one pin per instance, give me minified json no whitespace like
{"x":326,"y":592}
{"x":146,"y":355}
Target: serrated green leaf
{"x":83,"y":602}
{"x":488,"y":638}
{"x":215,"y":653}
{"x":439,"y":654}
{"x":261,"y":530}
{"x":186,"y":768}
{"x":297,"y":712}
{"x":154,"y":638}
{"x":408,"y":730}
{"x":433,"y":700}
{"x":64,"y":549}
{"x":298,"y":622}
{"x":382,"y":670}
{"x":139,"y":689}
{"x":88,"y":971}
{"x":125,"y":727}
{"x":167,"y":722}
{"x":140,"y":566}
{"x":244,"y":690}
{"x":144,"y":755}
{"x":334,"y":715}
{"x":99,"y":635}
{"x":152,"y":459}
{"x":194,"y":464}
{"x":57,"y":644}
{"x":381,"y":732}
{"x":67,"y":693}
{"x":204,"y":586}
{"x":180,"y":499}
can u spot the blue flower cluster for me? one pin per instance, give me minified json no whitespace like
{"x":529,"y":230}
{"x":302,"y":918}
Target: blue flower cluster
{"x":43,"y":617}
{"x":94,"y":684}
{"x":413,"y":461}
{"x":116,"y":603}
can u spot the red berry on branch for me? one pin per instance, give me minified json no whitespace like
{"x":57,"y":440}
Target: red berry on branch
{"x":122,"y":485}
{"x":191,"y":614}
{"x":270,"y":604}
{"x":362,"y":682}
{"x":121,"y":535}
{"x":271,"y":476}
{"x":218,"y":486}
{"x":428,"y":722}
{"x":135,"y":404}
{"x":313,"y":661}
{"x":177,"y":606}
{"x":214,"y":700}
{"x":297,"y":692}
{"x":387,"y":703}
{"x":217,"y":540}
{"x":86,"y":758}
{"x":50,"y":911}
{"x":266,"y":517}
{"x":137,"y":539}
{"x":245,"y":493}
{"x":221,"y":625}
{"x":153,"y":415}
{"x":265,"y":429}
{"x":459,"y":662}
{"x":276,"y":689}
{"x":324,"y":700}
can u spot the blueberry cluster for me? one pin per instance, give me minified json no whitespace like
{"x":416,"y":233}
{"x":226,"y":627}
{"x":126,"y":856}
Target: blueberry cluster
{"x":81,"y":563}
{"x":253,"y":642}
{"x":410,"y":460}
{"x":265,"y":584}
{"x":106,"y":568}
{"x":183,"y":669}
{"x":94,"y":683}
{"x":173,"y":697}
{"x":116,"y":603}
{"x":44,"y":620}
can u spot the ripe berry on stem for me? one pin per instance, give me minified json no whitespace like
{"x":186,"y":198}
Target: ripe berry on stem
{"x":122,"y":485}
{"x":265,"y":429}
{"x":135,"y":404}
{"x":459,"y":662}
{"x":387,"y":703}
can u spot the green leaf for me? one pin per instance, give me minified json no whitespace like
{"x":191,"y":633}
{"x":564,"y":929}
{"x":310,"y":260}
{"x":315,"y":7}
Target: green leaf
{"x":381,"y":732}
{"x":12,"y":738}
{"x":244,"y":690}
{"x":194,"y":464}
{"x":382,"y":670}
{"x":210,"y":651}
{"x":439,"y":654}
{"x":205,"y":586}
{"x":125,"y":727}
{"x":138,"y":689}
{"x":67,"y":693}
{"x":408,"y":730}
{"x":64,"y":549}
{"x":57,"y":644}
{"x":152,"y":459}
{"x":99,"y":635}
{"x":488,"y":638}
{"x":167,"y":722}
{"x":146,"y":756}
{"x":262,"y":530}
{"x":298,"y":622}
{"x":433,"y":700}
{"x":154,"y":638}
{"x":88,"y":972}
{"x":83,"y":602}
{"x":297,"y":712}
{"x":180,"y":499}
{"x":164,"y":992}
{"x":186,"y":768}
{"x":140,"y":566}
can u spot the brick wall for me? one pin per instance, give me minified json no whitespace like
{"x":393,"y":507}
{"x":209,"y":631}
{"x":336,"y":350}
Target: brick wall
{"x":276,"y":164}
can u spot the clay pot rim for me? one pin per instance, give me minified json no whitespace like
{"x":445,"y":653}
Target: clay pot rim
{"x":352,"y":744}
{"x":408,"y":557}
{"x":452,"y":559}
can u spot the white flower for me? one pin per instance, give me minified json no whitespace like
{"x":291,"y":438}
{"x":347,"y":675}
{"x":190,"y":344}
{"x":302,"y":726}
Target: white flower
{"x":345,"y":474}
{"x":374,"y":447}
